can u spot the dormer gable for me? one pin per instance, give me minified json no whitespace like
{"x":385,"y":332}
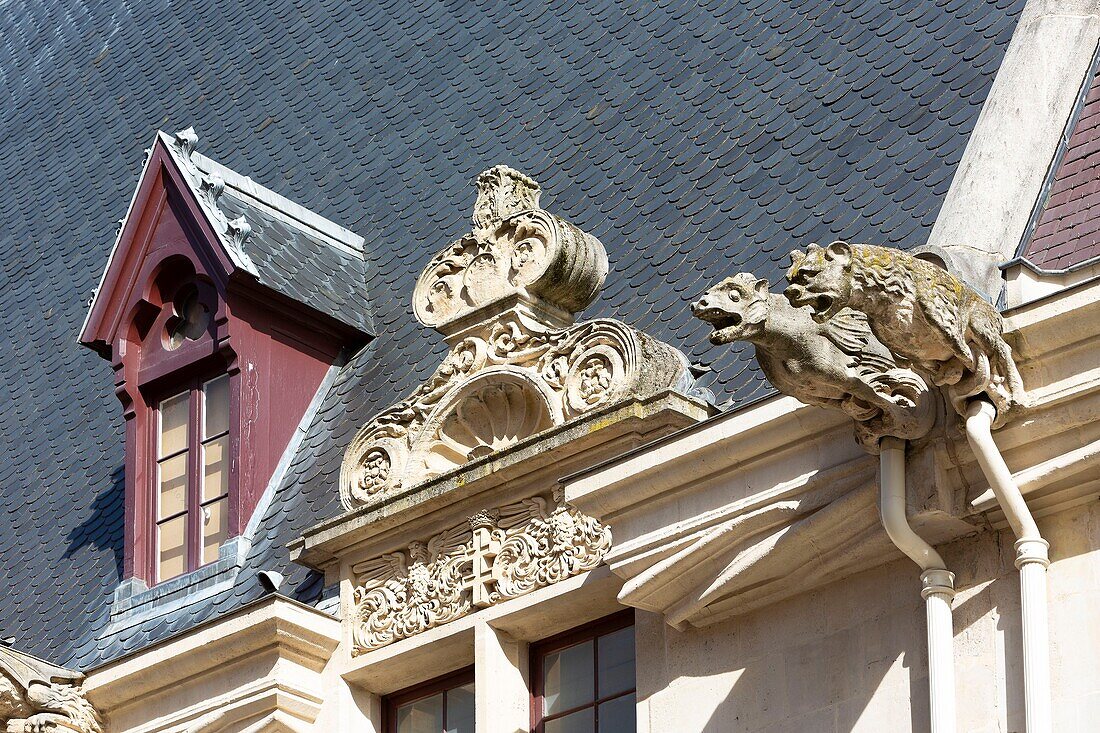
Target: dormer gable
{"x":233,"y":230}
{"x":222,"y":308}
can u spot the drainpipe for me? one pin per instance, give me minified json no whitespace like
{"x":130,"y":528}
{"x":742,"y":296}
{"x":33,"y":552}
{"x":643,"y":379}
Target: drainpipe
{"x":1031,"y":559}
{"x":937,"y":583}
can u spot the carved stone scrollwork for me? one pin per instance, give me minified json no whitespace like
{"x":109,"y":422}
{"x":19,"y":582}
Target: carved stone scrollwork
{"x":504,"y":295}
{"x":838,"y":363}
{"x":924,"y":315}
{"x":38,"y":697}
{"x":496,"y":555}
{"x":514,"y":249}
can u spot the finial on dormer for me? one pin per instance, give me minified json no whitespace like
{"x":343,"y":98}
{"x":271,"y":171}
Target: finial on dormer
{"x":188,"y":140}
{"x":516,"y":252}
{"x":238,"y":230}
{"x":502,"y":192}
{"x":211,"y":188}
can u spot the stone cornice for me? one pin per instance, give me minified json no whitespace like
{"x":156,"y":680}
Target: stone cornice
{"x":537,"y":460}
{"x":275,"y":626}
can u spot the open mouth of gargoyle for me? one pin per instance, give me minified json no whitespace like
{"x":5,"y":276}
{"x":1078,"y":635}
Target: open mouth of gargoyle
{"x":822,"y":305}
{"x":727,"y":326}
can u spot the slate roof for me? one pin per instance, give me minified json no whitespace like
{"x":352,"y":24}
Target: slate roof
{"x":694,"y":139}
{"x":1067,"y":231}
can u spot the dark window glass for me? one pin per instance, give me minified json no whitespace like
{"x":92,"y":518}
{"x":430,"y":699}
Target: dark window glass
{"x":444,"y":705}
{"x":584,"y":680}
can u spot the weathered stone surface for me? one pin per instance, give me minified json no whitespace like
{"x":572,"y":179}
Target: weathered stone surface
{"x":505,"y":295}
{"x":836,"y":363}
{"x":39,"y":697}
{"x":497,"y":554}
{"x":920,"y":312}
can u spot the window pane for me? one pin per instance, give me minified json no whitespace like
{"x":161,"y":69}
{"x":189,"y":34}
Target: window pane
{"x":582,"y":721}
{"x":567,"y":677}
{"x":422,"y":716}
{"x":616,"y":662}
{"x":172,"y":540}
{"x":173,"y":486}
{"x":618,"y":716}
{"x":215,"y":480}
{"x":216,"y":393}
{"x":215,"y":528}
{"x":174,"y":414}
{"x":460,"y":709}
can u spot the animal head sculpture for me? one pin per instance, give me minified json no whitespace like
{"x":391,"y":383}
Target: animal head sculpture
{"x":36,"y":696}
{"x":821,"y":279}
{"x":737,"y":307}
{"x":836,"y":363}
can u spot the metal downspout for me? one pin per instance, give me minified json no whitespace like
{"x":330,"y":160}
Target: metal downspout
{"x":937,"y":584}
{"x":1032,"y":559}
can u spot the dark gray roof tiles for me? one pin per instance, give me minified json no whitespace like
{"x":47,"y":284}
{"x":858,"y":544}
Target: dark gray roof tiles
{"x":304,"y":268}
{"x":694,"y":139}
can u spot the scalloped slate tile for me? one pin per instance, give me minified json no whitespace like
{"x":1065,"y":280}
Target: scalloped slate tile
{"x":694,"y":138}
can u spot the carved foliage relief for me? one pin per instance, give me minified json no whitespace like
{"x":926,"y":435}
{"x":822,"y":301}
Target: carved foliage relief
{"x":504,"y":295}
{"x":496,"y":555}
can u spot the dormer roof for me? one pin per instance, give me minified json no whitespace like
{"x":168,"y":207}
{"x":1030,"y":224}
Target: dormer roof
{"x":261,"y":237}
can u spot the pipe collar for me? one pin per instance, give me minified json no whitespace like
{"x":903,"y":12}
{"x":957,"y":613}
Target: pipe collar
{"x":1032,"y":550}
{"x":937,"y":581}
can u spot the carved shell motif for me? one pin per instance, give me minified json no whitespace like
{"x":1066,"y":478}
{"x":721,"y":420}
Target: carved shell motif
{"x":494,"y":417}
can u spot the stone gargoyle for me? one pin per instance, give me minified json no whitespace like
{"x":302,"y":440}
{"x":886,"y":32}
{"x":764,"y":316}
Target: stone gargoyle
{"x":836,"y":363}
{"x":39,"y":697}
{"x":924,"y":315}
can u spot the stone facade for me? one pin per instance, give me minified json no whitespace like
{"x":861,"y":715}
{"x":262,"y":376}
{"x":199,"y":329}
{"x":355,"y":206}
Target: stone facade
{"x":544,"y":471}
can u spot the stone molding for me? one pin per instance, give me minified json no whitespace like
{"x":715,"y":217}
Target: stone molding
{"x":504,"y":296}
{"x":36,"y":697}
{"x":497,"y":554}
{"x":266,"y":659}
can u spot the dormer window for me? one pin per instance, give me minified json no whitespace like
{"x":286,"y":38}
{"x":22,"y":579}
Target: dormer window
{"x":219,"y":346}
{"x":192,"y":472}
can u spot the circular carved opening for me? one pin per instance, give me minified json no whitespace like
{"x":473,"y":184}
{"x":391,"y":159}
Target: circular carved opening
{"x":189,"y":320}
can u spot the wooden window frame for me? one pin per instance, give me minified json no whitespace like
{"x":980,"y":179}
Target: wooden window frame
{"x":391,"y":702}
{"x":588,"y":632}
{"x":193,"y":387}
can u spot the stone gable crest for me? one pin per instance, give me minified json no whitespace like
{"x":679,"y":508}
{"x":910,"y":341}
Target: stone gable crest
{"x":505,"y":297}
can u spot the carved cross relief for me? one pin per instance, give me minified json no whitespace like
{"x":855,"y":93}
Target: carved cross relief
{"x":505,"y":296}
{"x":483,"y":550}
{"x":495,"y":555}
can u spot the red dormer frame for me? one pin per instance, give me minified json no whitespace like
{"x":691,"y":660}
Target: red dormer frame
{"x":275,"y":351}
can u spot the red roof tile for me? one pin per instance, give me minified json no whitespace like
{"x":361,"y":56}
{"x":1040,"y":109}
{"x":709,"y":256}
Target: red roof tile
{"x":1066,"y":233}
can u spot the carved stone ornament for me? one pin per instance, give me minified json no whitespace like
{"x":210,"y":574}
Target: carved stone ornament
{"x":210,"y":188}
{"x":925,"y":316}
{"x":496,"y":555}
{"x":504,"y":296}
{"x":837,"y":363}
{"x":39,"y":697}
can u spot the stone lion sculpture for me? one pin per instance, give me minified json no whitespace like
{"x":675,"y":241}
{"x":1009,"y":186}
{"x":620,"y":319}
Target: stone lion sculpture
{"x":922,"y":313}
{"x":836,"y":363}
{"x":38,"y":697}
